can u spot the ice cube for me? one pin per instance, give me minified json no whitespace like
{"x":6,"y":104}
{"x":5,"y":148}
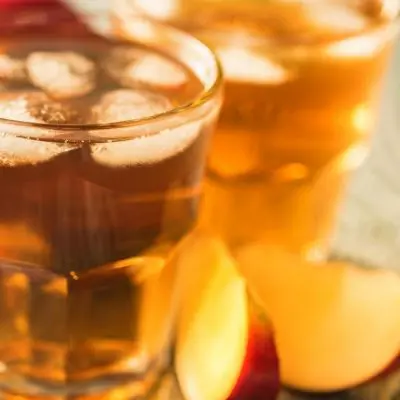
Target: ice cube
{"x":36,"y":107}
{"x":130,"y":67}
{"x":358,"y":47}
{"x":146,"y":149}
{"x":62,"y":75}
{"x":334,"y":17}
{"x":156,"y":70}
{"x":244,"y":65}
{"x":124,"y":104}
{"x":17,"y":151}
{"x":118,"y":60}
{"x":12,"y":69}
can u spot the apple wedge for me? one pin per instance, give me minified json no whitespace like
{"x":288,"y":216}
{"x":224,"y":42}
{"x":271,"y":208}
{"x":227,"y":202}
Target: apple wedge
{"x":336,"y":325}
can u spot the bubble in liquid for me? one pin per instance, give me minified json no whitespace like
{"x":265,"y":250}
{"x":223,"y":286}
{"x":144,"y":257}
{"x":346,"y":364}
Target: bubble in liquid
{"x":62,"y":75}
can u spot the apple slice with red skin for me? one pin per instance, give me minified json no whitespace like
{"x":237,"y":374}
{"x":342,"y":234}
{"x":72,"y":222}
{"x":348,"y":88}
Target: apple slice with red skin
{"x":221,"y":352}
{"x":336,"y":325}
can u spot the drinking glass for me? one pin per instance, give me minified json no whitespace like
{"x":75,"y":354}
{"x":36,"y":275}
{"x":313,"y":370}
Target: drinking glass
{"x":297,"y":199}
{"x":103,"y":143}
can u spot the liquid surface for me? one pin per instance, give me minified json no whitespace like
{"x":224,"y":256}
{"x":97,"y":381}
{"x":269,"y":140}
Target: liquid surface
{"x":303,"y":83}
{"x":88,"y":222}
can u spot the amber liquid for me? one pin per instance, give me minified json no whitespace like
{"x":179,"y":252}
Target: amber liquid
{"x":87,"y":290}
{"x":88,"y":294}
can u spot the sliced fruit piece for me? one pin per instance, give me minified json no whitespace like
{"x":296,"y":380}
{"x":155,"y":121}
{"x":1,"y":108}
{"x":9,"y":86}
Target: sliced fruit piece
{"x":213,"y":327}
{"x":336,"y":325}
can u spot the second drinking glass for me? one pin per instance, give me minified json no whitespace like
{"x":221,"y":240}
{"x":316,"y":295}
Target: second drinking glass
{"x":294,"y":205}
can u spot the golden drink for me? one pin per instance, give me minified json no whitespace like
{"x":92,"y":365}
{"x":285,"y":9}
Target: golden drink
{"x":100,"y":183}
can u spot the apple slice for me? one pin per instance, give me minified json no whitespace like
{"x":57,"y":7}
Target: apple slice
{"x":223,"y":350}
{"x":212,"y":330}
{"x":335,"y":325}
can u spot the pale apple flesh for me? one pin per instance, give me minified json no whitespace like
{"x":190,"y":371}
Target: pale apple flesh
{"x":336,"y":325}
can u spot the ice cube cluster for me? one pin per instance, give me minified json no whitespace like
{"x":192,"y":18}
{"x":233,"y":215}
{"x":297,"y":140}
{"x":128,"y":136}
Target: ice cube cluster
{"x":66,"y":87}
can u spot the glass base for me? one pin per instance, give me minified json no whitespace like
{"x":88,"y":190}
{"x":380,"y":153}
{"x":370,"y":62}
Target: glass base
{"x":165,"y":387}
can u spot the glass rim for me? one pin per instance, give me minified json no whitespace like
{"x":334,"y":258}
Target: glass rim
{"x":392,"y":22}
{"x":206,"y":95}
